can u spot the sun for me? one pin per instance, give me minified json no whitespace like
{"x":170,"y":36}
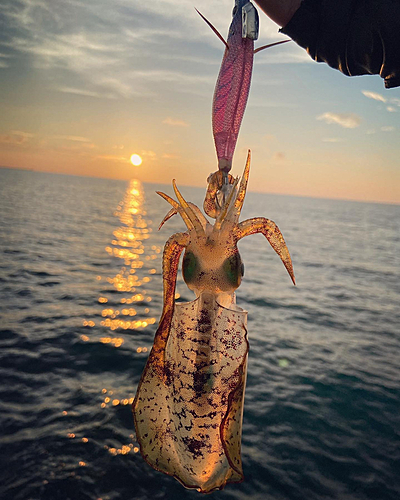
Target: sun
{"x":136,"y":160}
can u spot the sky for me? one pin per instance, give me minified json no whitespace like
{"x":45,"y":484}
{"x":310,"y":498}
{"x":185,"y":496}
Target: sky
{"x":84,"y":84}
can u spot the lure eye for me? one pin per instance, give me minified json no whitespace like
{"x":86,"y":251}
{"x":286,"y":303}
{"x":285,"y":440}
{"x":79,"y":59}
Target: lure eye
{"x":233,"y":269}
{"x":190,"y":266}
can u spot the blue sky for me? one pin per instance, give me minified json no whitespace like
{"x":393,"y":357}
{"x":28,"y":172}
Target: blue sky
{"x":86,"y":83}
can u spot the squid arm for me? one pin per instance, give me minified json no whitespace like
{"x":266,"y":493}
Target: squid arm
{"x":172,"y":252}
{"x":273,"y":234}
{"x":174,"y":211}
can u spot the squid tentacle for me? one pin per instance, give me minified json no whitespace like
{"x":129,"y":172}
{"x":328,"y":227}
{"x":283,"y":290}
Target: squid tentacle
{"x":273,"y":234}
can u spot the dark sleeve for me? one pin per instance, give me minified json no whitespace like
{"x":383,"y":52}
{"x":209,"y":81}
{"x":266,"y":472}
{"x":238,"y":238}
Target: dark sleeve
{"x":357,"y":37}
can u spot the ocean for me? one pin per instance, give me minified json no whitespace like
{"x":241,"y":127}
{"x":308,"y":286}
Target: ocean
{"x":80,"y":299}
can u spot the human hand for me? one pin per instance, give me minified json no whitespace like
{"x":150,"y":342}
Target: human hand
{"x":280,"y":11}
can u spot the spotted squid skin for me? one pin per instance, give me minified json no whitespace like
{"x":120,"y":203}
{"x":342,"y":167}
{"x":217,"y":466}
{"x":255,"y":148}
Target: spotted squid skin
{"x":188,"y":421}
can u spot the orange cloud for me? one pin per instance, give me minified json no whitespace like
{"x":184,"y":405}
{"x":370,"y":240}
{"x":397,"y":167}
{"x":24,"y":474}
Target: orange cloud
{"x":111,"y":158}
{"x":73,"y":138}
{"x":16,"y":137}
{"x":175,"y":123}
{"x":169,"y":156}
{"x":279,"y":156}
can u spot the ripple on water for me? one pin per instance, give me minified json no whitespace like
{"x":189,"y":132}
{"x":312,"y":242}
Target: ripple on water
{"x":321,"y":415}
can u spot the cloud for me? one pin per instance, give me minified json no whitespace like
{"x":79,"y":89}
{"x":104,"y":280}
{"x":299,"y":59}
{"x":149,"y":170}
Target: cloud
{"x":26,"y":135}
{"x":17,"y":137}
{"x":78,"y":148}
{"x":170,"y":156}
{"x":3,"y":64}
{"x":84,"y":92}
{"x":116,"y":49}
{"x":350,"y":120}
{"x":387,"y":129}
{"x":175,"y":123}
{"x":378,"y":97}
{"x":112,"y":158}
{"x":332,"y":139}
{"x":148,"y":153}
{"x":287,"y":54}
{"x":74,"y":138}
{"x":9,"y":139}
{"x":123,"y":48}
{"x":279,"y":156}
{"x":270,"y":102}
{"x":374,"y":95}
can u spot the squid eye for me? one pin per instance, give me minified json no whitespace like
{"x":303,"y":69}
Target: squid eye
{"x":190,"y":266}
{"x":233,"y":269}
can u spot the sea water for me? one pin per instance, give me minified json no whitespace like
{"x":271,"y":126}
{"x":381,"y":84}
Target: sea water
{"x":80,"y":299}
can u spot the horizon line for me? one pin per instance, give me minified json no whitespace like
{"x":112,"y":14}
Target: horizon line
{"x":27,"y":169}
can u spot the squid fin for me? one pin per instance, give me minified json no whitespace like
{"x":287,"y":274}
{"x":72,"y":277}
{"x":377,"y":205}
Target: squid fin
{"x":231,"y":427}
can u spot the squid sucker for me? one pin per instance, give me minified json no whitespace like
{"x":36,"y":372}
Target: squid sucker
{"x":188,"y":407}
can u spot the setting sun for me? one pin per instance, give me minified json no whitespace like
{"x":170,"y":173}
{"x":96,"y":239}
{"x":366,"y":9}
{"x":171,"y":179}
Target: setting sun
{"x":136,"y":160}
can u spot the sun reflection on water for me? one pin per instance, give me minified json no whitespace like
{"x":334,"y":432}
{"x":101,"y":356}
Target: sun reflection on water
{"x":129,"y":245}
{"x":124,"y":302}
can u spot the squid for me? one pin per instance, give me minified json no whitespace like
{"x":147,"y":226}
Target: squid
{"x":188,"y":407}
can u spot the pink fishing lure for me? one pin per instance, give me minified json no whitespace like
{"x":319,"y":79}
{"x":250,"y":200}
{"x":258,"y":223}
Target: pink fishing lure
{"x":234,"y":79}
{"x":232,"y":90}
